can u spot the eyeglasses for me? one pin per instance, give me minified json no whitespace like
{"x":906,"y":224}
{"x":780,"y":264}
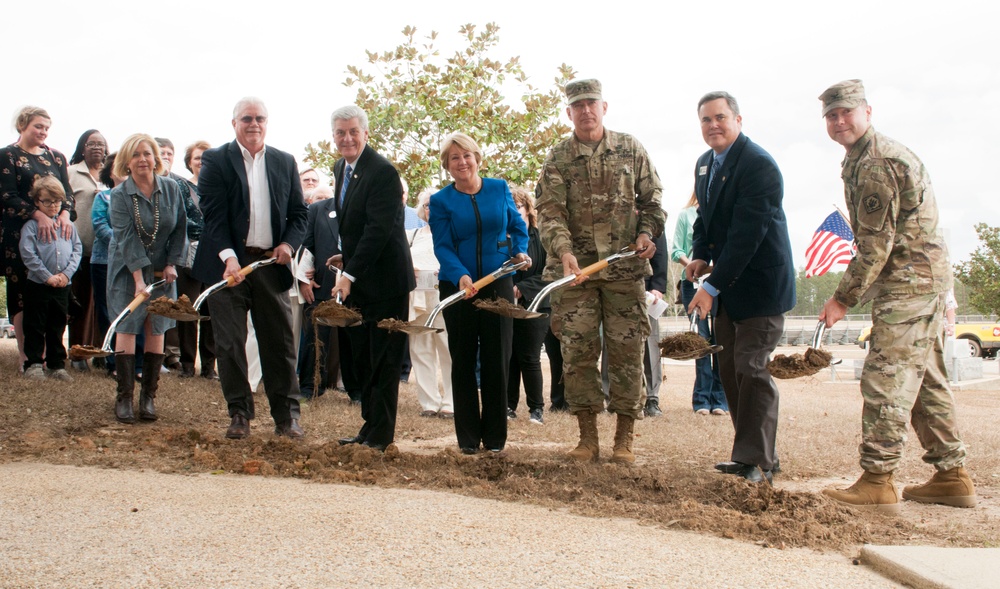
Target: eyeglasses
{"x":261,"y":119}
{"x":92,"y":145}
{"x":427,"y":205}
{"x":49,"y":203}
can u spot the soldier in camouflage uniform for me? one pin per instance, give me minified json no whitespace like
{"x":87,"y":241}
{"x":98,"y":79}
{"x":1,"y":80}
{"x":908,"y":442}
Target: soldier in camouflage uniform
{"x":902,"y":266}
{"x":598,"y":193}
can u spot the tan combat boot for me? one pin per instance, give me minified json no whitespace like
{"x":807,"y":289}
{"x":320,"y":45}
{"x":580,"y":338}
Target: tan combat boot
{"x":623,"y":440}
{"x":951,"y":487}
{"x":871,"y":491}
{"x":589,"y":449}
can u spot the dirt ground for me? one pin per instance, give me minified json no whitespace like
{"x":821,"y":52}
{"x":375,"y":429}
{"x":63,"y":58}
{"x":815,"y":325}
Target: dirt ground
{"x":672,"y":484}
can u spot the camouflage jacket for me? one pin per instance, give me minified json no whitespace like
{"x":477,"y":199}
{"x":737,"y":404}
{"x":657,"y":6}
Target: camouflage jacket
{"x":594,"y":202}
{"x":895,"y":221}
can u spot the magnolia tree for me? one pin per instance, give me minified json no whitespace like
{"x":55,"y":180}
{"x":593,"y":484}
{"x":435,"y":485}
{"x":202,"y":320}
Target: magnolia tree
{"x":981,"y":273}
{"x":417,"y":97}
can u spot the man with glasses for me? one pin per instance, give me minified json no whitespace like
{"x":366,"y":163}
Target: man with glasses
{"x":252,"y":201}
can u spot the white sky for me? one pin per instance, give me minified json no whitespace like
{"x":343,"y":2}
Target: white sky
{"x":930,"y":70}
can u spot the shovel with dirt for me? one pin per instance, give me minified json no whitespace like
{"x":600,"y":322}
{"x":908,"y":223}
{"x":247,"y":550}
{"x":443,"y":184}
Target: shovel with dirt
{"x":333,"y":313}
{"x":812,"y":361}
{"x":422,"y":325}
{"x":508,"y":309}
{"x":183,"y":310}
{"x":87,"y":352}
{"x":689,"y":345}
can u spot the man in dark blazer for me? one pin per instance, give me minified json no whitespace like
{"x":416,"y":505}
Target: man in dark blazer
{"x":378,"y":272}
{"x":251,"y":198}
{"x":742,"y":232}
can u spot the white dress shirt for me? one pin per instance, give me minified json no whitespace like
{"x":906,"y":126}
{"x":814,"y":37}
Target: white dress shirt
{"x":259,"y":234}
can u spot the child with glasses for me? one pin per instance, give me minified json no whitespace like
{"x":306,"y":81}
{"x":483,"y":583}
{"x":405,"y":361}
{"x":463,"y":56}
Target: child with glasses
{"x":50,"y":266}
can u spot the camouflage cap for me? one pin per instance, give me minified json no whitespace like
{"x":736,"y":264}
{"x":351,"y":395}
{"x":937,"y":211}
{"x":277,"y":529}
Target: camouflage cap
{"x":846,"y":94}
{"x":583,"y":90}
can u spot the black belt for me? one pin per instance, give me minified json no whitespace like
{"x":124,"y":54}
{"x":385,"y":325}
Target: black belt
{"x":257,"y":252}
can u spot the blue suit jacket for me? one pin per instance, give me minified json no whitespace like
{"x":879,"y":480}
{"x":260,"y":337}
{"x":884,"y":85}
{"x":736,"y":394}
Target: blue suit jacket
{"x":741,"y":229}
{"x":225,"y":202}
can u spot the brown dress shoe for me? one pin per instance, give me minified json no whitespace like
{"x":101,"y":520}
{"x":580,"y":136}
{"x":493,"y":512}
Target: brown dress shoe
{"x":239,"y":428}
{"x":292,"y":429}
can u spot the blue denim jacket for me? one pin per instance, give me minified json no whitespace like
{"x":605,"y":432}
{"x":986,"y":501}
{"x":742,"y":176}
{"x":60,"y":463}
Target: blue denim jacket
{"x":102,"y":227}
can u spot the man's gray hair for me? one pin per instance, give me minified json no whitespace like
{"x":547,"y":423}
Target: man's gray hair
{"x":351,"y":111}
{"x":730,"y":100}
{"x":248,"y":101}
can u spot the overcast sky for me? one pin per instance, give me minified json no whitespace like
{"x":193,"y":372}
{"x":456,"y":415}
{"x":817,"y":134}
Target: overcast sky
{"x":930,"y":72}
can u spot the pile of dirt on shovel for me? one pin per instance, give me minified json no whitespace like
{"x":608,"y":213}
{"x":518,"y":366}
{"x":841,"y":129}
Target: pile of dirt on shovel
{"x":392,"y":324}
{"x":796,"y":365}
{"x":168,"y":307}
{"x":683,"y":345}
{"x":335,"y":310}
{"x":499,"y":306}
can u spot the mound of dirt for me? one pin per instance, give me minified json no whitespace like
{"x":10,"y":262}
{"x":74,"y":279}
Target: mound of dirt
{"x":797,"y":365}
{"x":499,"y":306}
{"x":182,"y":307}
{"x":392,"y":324}
{"x":682,"y":346}
{"x":328,"y":310}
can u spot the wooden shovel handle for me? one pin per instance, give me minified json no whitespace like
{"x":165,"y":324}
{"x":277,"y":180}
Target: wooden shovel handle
{"x":243,"y":272}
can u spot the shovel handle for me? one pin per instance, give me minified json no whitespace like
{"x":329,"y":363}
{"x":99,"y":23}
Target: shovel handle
{"x":243,"y":272}
{"x":595,"y":267}
{"x":138,"y":300}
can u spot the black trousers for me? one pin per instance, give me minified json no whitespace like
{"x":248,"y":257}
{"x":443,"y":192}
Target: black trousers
{"x":378,"y":359}
{"x":261,"y":294}
{"x":45,"y":313}
{"x":526,"y":363}
{"x":750,"y":390}
{"x":473,"y":333}
{"x":557,"y":392}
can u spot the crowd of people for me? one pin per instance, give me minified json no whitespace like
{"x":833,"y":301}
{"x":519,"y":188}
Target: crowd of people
{"x":89,"y":239}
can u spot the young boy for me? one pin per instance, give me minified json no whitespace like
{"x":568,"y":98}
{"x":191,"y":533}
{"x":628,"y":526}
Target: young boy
{"x":46,"y":294}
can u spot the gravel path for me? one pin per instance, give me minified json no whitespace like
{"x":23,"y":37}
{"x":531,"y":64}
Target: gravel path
{"x":71,"y":527}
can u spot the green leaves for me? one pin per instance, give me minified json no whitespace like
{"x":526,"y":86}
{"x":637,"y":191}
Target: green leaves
{"x":417,"y":97}
{"x":981,"y":273}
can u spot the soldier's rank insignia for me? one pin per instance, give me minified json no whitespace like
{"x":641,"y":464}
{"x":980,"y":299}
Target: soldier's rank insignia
{"x":872,"y":203}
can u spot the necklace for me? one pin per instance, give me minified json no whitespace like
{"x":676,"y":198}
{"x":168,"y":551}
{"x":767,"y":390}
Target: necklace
{"x":140,"y":229}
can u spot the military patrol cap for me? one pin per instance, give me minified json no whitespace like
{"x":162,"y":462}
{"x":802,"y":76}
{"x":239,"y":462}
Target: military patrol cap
{"x":846,"y":94}
{"x":583,"y":90}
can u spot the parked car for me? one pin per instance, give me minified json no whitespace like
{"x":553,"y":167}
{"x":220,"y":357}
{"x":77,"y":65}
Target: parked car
{"x":6,"y":329}
{"x":983,"y":338}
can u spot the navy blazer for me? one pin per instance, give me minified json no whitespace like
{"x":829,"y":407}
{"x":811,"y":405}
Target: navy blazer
{"x":741,"y":230}
{"x":225,"y":203}
{"x":322,"y":239}
{"x":376,"y":252}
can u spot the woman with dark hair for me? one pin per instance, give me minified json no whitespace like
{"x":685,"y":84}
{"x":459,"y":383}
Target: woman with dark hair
{"x":84,"y":179}
{"x":187,"y":331}
{"x":525,"y":359}
{"x":148,"y":223}
{"x":476,"y":228}
{"x":20,"y":164}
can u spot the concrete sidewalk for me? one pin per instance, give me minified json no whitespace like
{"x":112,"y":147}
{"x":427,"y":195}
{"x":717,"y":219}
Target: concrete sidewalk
{"x":70,"y":527}
{"x":926,"y":567}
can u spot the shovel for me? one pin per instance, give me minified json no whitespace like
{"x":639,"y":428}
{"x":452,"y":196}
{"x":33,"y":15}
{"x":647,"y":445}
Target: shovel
{"x":228,"y":282}
{"x":345,"y":318}
{"x":696,"y":354}
{"x":807,"y":364}
{"x":85,"y":352}
{"x":509,"y":267}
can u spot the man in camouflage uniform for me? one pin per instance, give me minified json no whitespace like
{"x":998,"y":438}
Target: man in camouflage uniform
{"x":902,"y":265}
{"x":599,"y":193}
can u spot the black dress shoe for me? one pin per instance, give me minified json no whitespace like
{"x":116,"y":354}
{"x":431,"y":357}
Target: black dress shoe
{"x":292,"y":429}
{"x":777,"y":466}
{"x":374,"y":446}
{"x":351,"y":440}
{"x":729,"y":467}
{"x":239,"y":428}
{"x":469,"y":451}
{"x":754,"y":474}
{"x":210,"y":374}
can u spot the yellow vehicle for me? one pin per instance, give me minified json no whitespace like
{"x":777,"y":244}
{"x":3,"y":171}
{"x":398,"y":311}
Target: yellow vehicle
{"x":984,"y":338}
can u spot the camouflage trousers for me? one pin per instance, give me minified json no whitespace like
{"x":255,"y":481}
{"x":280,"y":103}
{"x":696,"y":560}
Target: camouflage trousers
{"x":904,"y":379}
{"x":579,"y":312}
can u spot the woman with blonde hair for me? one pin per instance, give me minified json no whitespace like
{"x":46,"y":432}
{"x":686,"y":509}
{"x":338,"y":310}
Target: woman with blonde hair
{"x":148,"y":226}
{"x":476,"y":228}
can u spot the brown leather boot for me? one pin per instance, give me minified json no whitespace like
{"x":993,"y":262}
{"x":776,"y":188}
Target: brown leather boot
{"x":623,"y":440}
{"x":151,"y":364}
{"x":589,"y":448}
{"x":951,"y":487}
{"x":871,"y":491}
{"x":125,"y":365}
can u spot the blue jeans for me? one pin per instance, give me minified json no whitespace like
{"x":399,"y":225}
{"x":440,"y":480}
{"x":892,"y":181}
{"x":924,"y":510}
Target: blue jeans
{"x":708,"y":392}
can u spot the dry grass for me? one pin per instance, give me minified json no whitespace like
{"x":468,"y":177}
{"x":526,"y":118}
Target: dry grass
{"x":672,"y":484}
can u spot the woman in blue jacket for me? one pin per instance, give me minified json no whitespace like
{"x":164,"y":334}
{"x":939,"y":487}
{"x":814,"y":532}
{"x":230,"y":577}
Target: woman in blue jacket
{"x":476,"y":228}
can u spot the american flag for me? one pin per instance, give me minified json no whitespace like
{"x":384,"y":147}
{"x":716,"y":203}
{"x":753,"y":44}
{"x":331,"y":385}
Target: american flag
{"x":831,"y":245}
